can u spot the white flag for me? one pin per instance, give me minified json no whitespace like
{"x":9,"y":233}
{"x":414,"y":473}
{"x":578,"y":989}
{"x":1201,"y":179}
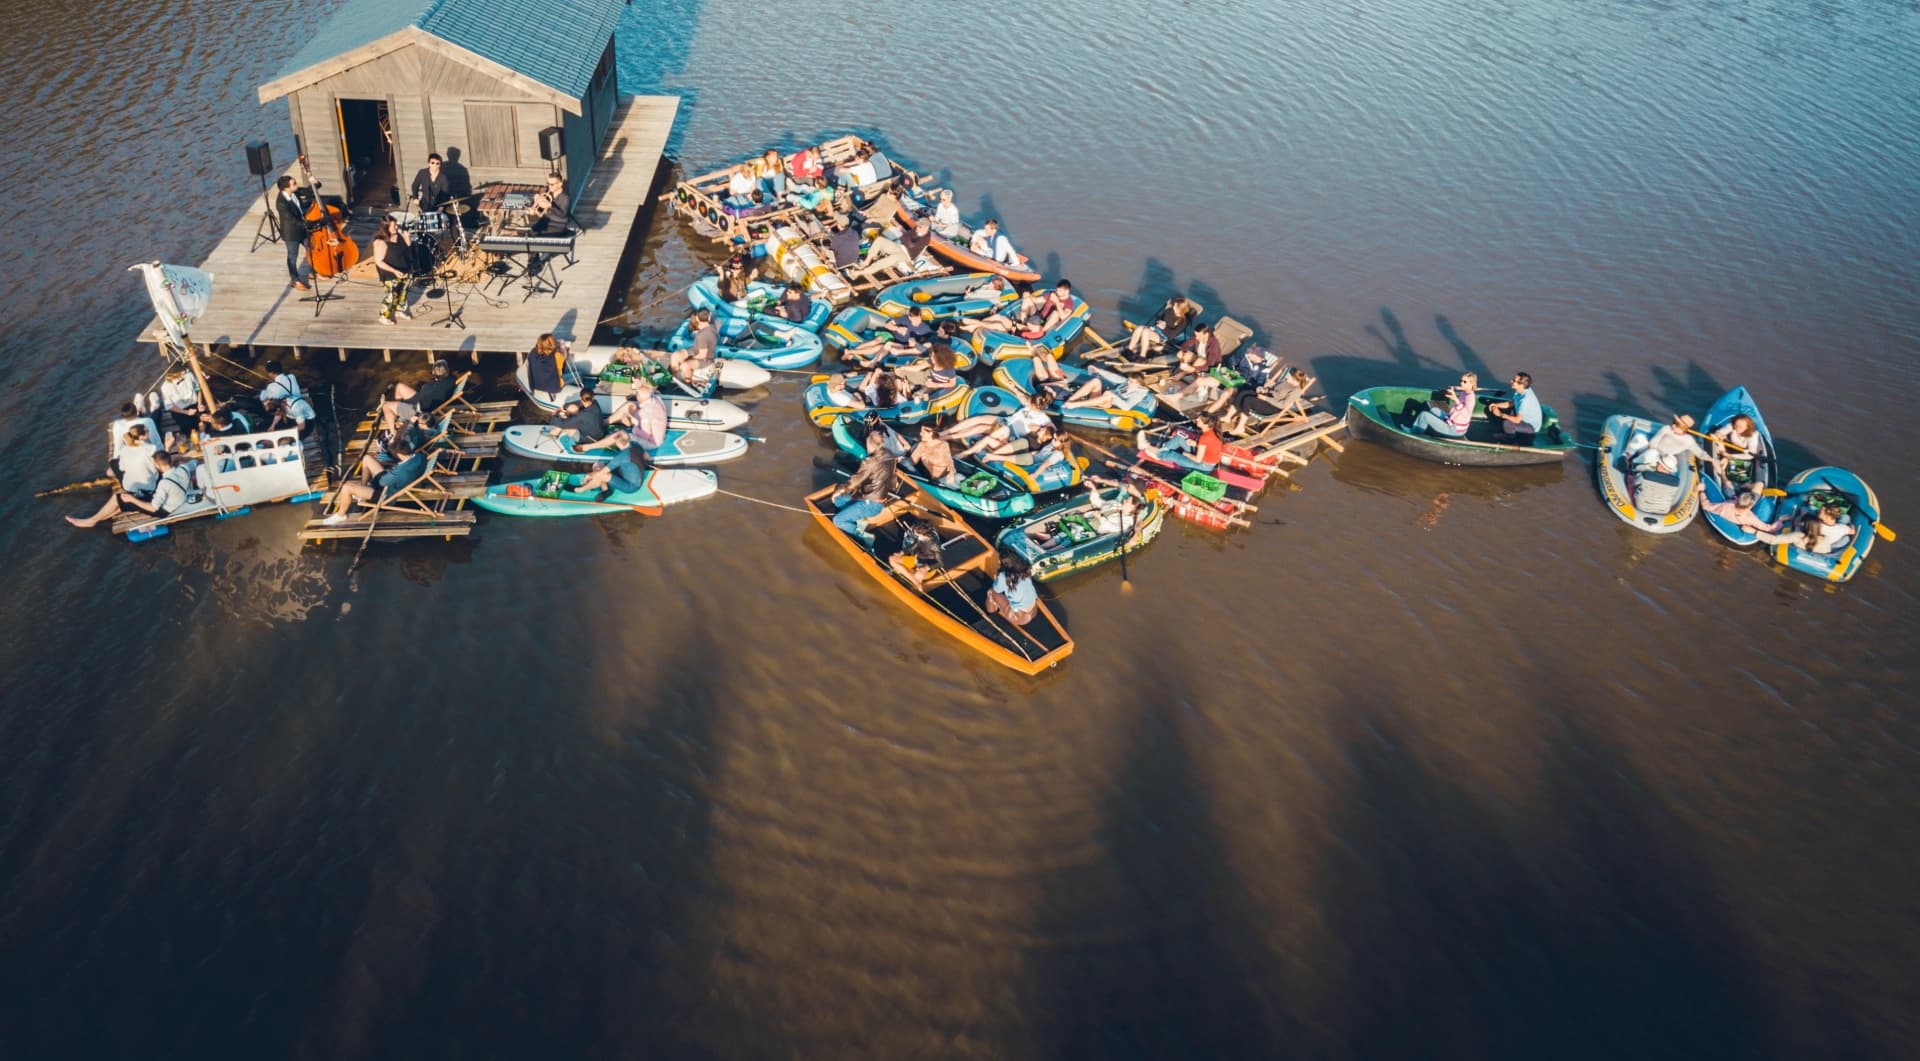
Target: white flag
{"x":179,"y":293}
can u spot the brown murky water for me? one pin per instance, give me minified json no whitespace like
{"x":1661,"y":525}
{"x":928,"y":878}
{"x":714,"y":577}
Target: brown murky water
{"x":1432,"y":762}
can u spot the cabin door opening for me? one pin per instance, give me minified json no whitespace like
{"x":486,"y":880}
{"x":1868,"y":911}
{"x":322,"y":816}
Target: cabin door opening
{"x":366,"y":142}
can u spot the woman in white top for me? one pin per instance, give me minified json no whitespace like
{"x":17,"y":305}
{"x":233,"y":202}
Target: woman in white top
{"x":180,"y":397}
{"x":946,"y":217}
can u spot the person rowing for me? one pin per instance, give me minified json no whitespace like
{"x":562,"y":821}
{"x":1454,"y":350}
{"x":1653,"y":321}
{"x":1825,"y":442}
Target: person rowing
{"x":864,"y":496}
{"x":1668,"y":447}
{"x":1733,"y":446}
{"x":167,"y":493}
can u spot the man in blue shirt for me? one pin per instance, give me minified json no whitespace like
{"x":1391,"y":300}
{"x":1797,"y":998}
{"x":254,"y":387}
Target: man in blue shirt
{"x":1520,"y":418}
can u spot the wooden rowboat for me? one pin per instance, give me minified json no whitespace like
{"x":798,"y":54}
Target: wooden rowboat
{"x":954,"y":599}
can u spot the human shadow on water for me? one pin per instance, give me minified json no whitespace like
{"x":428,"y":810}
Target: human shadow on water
{"x":1342,"y":373}
{"x":1470,"y":359}
{"x":1580,"y":926}
{"x":1158,"y":282}
{"x":1147,"y":950}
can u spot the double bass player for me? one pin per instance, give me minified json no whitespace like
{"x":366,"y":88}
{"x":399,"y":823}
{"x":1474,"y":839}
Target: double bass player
{"x":291,"y":217}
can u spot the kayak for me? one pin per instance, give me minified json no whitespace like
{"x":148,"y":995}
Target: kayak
{"x":1813,"y":490}
{"x":1076,"y":535}
{"x":826,"y":402}
{"x":1129,"y":405}
{"x":980,"y":493}
{"x":662,"y":487}
{"x":858,"y":324}
{"x":941,"y":297}
{"x":953,"y":598}
{"x":679,"y":448}
{"x":994,"y":346}
{"x":683,"y":411}
{"x":1382,"y":415}
{"x":958,"y":253}
{"x":763,"y":300}
{"x":1755,"y":473}
{"x":1657,"y":502}
{"x":769,"y":342}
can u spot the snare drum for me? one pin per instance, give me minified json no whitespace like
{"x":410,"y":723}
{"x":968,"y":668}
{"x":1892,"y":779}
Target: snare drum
{"x":433,"y":221}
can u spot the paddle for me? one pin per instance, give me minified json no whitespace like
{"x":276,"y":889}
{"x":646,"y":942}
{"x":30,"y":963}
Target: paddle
{"x":1126,"y":533}
{"x":1729,"y":445}
{"x":1881,"y":530}
{"x":372,"y":521}
{"x":75,"y":487}
{"x":645,"y":510}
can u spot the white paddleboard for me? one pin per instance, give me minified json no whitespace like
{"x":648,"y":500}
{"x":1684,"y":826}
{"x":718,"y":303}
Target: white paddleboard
{"x":679,"y":448}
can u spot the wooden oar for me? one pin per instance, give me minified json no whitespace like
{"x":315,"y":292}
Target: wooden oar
{"x":1881,"y":530}
{"x":76,"y":487}
{"x":372,"y":521}
{"x":1729,"y":445}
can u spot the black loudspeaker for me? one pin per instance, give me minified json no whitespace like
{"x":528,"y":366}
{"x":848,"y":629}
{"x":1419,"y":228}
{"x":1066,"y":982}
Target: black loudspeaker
{"x":550,"y":145}
{"x":259,"y":158}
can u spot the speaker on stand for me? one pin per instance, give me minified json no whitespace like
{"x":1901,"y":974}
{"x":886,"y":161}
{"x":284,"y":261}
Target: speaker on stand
{"x":552,"y":148}
{"x":260,"y":164}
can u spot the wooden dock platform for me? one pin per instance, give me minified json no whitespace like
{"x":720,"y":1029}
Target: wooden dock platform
{"x":253,"y":305}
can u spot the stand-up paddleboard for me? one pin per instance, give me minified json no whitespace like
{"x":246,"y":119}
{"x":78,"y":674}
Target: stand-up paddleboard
{"x":680,"y":448}
{"x":664,"y":486}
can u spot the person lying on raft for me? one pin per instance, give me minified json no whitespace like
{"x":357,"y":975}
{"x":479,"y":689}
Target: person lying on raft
{"x":693,"y":364}
{"x":946,"y":217}
{"x":1168,"y":325}
{"x":989,"y":243}
{"x":998,"y":431}
{"x":1732,"y":448}
{"x":1042,"y":313}
{"x":644,"y":413}
{"x":1519,"y":415}
{"x":1198,"y":452}
{"x":1738,"y":510}
{"x":170,"y":487}
{"x":934,"y":374}
{"x":1459,"y":415}
{"x":933,"y":455}
{"x":1013,"y":596}
{"x":1668,"y":447}
{"x":795,"y":304}
{"x":626,"y":472}
{"x":905,"y":336}
{"x":1049,"y":380}
{"x":409,"y":465}
{"x":865,"y":497}
{"x":579,"y":422}
{"x":1097,"y":392}
{"x":919,"y":557}
{"x":1106,"y":517}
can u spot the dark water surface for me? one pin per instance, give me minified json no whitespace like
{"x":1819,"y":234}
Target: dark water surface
{"x":1432,"y":763}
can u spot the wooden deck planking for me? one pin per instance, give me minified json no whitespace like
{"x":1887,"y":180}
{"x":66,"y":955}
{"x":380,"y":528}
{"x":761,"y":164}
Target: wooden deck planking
{"x":252,"y":304}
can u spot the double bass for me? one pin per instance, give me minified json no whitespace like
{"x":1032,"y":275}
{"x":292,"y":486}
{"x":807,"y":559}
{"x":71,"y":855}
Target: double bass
{"x":330,"y":250}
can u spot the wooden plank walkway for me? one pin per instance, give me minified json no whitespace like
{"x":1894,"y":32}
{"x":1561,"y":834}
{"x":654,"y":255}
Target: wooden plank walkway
{"x":253,"y":305}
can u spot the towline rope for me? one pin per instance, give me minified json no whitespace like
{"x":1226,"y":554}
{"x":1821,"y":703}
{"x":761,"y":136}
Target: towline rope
{"x":769,"y":504}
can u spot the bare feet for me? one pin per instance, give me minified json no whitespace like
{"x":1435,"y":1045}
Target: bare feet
{"x":78,"y":522}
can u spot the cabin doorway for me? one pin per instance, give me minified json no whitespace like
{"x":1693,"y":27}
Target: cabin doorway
{"x":366,"y":141}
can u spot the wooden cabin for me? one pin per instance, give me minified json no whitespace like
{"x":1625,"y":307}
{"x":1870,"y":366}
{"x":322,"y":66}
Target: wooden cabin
{"x":486,"y":83}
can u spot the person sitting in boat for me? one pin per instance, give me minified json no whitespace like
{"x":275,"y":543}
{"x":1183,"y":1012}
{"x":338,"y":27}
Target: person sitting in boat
{"x":795,"y":304}
{"x":805,"y":166}
{"x":547,"y":368}
{"x":1520,"y":417}
{"x":132,"y":462}
{"x":1200,"y":352}
{"x":735,"y":275}
{"x":883,"y":389}
{"x":283,"y":399}
{"x":1459,"y":415}
{"x":1049,"y":380}
{"x":1044,"y":312}
{"x":946,"y":217}
{"x":1283,"y":392}
{"x":1168,"y":325}
{"x":1668,"y":448}
{"x":909,"y":335}
{"x":692,"y":364}
{"x":1249,"y":368}
{"x":843,"y":391}
{"x":933,"y":455}
{"x":409,"y":464}
{"x":130,"y":417}
{"x":989,"y":243}
{"x":843,"y":241}
{"x":859,"y":174}
{"x":163,"y":494}
{"x":1199,"y":450}
{"x":740,"y":186}
{"x":919,"y":557}
{"x":1733,"y":447}
{"x":1013,"y":596}
{"x":1822,"y":531}
{"x":771,"y":174}
{"x":579,"y":421}
{"x":625,"y":473}
{"x":864,"y":496}
{"x":644,"y":415}
{"x":224,"y":422}
{"x":180,"y":404}
{"x":1739,"y":511}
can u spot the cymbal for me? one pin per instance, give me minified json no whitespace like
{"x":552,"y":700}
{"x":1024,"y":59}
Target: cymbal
{"x":456,"y":209}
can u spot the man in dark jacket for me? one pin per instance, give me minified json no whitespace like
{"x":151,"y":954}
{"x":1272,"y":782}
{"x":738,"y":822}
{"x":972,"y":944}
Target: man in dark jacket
{"x":291,"y":218}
